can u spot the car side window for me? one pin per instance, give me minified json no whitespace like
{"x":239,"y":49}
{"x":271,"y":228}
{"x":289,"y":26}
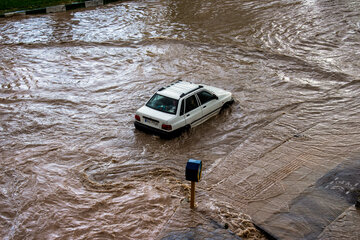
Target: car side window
{"x":190,"y":104}
{"x":205,"y":97}
{"x":182,"y":108}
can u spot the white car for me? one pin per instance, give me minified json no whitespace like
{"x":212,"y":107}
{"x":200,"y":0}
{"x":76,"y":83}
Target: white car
{"x":180,"y":106}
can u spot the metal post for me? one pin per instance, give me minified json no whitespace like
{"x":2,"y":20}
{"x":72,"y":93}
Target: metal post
{"x":192,"y":200}
{"x":193,"y":174}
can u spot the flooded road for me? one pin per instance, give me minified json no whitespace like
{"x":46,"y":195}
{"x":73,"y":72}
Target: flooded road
{"x":72,"y":164}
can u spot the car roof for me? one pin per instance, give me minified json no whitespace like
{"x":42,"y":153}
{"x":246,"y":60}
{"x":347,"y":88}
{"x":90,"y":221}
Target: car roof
{"x":178,"y":89}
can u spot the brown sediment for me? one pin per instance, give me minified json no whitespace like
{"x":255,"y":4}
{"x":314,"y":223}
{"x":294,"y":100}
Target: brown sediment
{"x":73,"y":166}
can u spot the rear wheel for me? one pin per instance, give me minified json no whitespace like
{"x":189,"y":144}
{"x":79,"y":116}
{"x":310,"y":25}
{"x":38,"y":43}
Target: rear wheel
{"x":185,"y":128}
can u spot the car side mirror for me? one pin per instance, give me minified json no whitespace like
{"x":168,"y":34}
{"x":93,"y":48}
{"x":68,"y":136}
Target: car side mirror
{"x":215,"y":97}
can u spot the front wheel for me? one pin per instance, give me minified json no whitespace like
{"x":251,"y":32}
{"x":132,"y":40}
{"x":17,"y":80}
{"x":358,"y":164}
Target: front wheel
{"x":227,"y":104}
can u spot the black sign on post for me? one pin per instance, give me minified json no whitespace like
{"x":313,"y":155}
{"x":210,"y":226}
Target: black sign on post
{"x":193,"y":170}
{"x":193,"y":174}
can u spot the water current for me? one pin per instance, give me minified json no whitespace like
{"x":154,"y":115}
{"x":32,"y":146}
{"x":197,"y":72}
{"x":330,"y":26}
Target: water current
{"x":72,"y":164}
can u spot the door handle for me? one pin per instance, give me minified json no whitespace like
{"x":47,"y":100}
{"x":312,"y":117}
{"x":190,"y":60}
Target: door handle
{"x":188,"y":115}
{"x":204,"y":106}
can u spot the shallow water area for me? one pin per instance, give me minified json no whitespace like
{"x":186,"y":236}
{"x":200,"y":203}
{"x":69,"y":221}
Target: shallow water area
{"x":74,"y":167}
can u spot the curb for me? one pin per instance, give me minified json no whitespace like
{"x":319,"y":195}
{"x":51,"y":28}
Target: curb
{"x":59,"y":8}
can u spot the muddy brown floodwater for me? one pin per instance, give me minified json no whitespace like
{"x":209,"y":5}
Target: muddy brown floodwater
{"x":72,"y":164}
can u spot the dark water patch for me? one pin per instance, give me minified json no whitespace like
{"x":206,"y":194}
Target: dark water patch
{"x":343,"y":181}
{"x":319,"y":205}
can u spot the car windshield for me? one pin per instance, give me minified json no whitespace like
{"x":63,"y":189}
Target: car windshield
{"x":163,"y":104}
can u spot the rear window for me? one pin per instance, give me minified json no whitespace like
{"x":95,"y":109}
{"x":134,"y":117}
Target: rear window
{"x":163,"y":104}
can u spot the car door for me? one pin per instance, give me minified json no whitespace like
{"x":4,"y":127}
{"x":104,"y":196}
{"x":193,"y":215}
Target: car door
{"x":209,"y":104}
{"x":193,"y":111}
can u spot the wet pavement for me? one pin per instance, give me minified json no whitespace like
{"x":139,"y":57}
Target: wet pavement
{"x":345,"y":225}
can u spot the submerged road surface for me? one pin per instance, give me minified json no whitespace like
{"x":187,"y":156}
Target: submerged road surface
{"x":72,"y":164}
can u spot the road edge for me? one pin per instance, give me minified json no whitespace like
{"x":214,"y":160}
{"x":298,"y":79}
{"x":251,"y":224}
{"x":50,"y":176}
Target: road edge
{"x":59,"y":8}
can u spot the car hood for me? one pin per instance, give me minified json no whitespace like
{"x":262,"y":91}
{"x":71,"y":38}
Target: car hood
{"x":154,"y":114}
